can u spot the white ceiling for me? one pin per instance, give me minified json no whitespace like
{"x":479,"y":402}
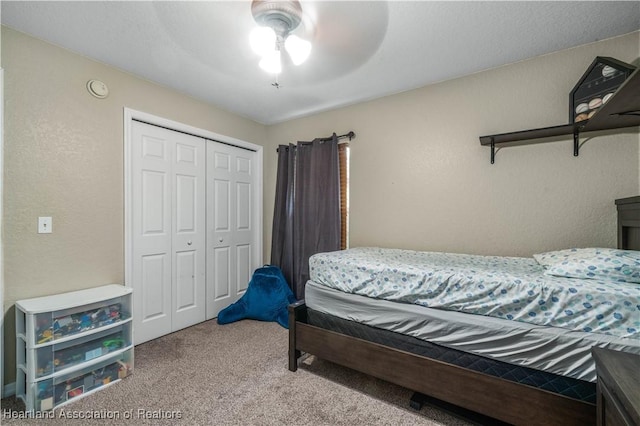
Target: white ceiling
{"x":361,"y":50}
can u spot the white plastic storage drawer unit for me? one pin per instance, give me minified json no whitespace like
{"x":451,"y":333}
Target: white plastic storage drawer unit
{"x":72,"y":344}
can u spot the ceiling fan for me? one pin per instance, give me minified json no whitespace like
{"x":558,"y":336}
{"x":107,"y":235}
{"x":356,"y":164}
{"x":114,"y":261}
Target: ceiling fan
{"x":285,"y":30}
{"x":276,"y":21}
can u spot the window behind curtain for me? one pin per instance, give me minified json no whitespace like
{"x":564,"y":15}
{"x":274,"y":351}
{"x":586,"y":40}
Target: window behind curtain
{"x":343,"y":157}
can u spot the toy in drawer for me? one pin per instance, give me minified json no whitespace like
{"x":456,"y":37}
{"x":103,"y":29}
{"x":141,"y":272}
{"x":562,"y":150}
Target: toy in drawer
{"x":58,"y":390}
{"x":57,"y":325}
{"x":57,"y":357}
{"x":50,"y":393}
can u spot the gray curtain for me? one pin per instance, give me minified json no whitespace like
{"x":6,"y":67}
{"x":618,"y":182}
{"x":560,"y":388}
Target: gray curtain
{"x":306,"y":217}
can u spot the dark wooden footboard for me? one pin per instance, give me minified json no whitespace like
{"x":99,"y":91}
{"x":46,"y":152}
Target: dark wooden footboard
{"x":495,"y":397}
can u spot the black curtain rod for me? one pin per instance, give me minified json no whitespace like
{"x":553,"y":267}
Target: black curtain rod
{"x":349,"y":135}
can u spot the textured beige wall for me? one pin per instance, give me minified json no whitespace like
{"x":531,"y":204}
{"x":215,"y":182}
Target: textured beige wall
{"x":421,"y":180}
{"x":64,"y":158}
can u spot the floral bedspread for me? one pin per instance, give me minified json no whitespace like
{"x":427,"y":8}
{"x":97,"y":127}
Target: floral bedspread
{"x":511,"y":288}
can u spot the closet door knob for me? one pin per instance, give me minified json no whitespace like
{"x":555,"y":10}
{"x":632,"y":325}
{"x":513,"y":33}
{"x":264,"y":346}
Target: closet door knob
{"x":189,"y":243}
{"x":221,"y":239}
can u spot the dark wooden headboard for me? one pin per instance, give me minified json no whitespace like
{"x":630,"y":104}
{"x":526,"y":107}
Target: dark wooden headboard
{"x":629,"y":223}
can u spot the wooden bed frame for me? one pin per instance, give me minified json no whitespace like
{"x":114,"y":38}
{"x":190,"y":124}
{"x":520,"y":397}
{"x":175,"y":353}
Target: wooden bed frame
{"x":491,"y":396}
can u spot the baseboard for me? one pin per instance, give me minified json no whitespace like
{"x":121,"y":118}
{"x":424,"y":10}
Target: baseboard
{"x":9,"y":390}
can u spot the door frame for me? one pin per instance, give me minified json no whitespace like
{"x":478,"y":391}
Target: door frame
{"x":129,"y":116}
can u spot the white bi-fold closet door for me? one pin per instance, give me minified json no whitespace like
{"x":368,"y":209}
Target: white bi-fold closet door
{"x":168,"y":244}
{"x":194,"y":228}
{"x":230,"y":224}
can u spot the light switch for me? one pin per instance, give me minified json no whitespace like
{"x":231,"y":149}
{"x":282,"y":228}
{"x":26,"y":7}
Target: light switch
{"x":45,"y":225}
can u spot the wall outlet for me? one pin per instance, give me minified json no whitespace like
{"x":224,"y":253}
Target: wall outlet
{"x":45,"y":225}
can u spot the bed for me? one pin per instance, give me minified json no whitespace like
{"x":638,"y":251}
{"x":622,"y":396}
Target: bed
{"x":522,"y":359}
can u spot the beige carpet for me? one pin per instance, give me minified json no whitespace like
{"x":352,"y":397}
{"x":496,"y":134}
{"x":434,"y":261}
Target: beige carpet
{"x":237,"y":375}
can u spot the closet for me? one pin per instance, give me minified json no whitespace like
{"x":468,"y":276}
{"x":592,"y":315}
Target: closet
{"x":193,"y":230}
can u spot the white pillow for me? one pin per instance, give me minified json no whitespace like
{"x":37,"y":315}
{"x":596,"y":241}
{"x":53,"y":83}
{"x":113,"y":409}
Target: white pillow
{"x":592,"y":263}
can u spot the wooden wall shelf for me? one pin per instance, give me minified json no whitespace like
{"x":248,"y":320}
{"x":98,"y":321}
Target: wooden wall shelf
{"x":622,"y":110}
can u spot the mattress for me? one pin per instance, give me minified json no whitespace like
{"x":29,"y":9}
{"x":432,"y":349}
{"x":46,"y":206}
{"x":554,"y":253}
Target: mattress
{"x":556,"y":350}
{"x":567,"y":386}
{"x":510,"y":288}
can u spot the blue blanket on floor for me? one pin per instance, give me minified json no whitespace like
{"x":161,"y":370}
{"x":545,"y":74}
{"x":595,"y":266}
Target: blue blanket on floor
{"x":266,"y":299}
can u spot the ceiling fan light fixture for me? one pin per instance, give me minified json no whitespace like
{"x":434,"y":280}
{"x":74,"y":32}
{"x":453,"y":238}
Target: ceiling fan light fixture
{"x":262,"y":40}
{"x":276,"y":20}
{"x":297,"y":48}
